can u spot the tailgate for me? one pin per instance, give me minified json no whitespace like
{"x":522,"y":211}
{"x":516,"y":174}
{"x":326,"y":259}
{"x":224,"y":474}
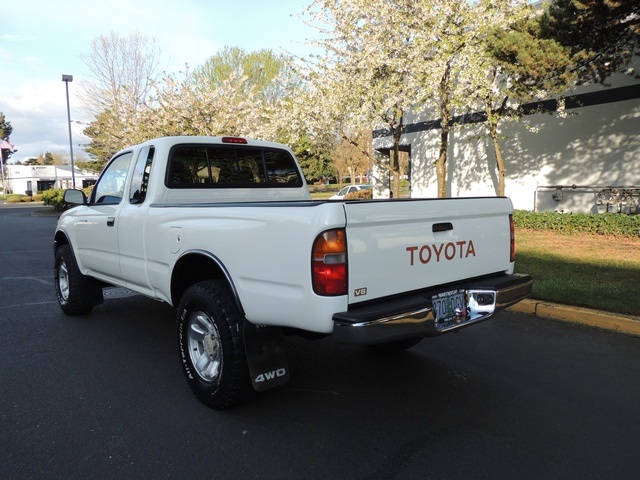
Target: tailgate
{"x":405,"y":245}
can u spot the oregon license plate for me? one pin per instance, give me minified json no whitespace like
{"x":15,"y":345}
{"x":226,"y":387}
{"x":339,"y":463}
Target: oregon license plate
{"x":449,"y":307}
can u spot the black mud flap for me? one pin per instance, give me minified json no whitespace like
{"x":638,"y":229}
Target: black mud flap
{"x":266,"y":356}
{"x":93,"y":291}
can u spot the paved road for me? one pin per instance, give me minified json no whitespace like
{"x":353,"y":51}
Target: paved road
{"x":103,"y":396}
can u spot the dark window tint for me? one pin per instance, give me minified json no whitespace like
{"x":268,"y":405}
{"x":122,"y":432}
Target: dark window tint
{"x":189,"y":167}
{"x":280,"y":167}
{"x":236,"y":166}
{"x":231,"y":167}
{"x":140,"y":179}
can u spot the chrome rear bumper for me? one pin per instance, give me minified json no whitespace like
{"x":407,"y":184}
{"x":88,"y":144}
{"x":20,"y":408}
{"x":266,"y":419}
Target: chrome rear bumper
{"x":412,"y":316}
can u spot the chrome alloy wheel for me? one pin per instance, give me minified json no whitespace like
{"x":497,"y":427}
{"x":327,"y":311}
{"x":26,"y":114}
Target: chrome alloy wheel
{"x":63,"y":282}
{"x":204,"y":346}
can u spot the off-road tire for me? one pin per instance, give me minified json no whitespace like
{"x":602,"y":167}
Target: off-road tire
{"x":72,"y":288}
{"x":211,"y":344}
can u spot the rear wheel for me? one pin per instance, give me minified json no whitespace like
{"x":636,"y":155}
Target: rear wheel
{"x":72,"y":288}
{"x":211,"y":342}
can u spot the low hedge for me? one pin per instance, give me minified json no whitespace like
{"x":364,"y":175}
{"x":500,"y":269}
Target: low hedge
{"x":53,"y":197}
{"x":15,"y":198}
{"x":614,"y":224}
{"x":365,"y":194}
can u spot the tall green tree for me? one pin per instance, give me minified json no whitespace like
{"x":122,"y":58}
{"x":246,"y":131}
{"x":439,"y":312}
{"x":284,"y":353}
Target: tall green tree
{"x":519,"y":66}
{"x":244,"y":92}
{"x":265,"y":74}
{"x":603,"y":35}
{"x":5,"y":133}
{"x":314,"y":158}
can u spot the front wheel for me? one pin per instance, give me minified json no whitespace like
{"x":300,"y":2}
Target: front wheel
{"x":210,"y":339}
{"x":72,"y":288}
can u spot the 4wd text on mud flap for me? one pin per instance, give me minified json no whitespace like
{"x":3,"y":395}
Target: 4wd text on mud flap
{"x":266,"y":376}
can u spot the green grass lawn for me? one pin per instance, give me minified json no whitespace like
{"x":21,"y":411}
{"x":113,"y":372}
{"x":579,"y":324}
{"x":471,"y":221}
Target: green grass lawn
{"x":582,"y":270}
{"x":15,"y":198}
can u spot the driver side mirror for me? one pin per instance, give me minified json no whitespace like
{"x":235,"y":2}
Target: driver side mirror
{"x":74,"y":197}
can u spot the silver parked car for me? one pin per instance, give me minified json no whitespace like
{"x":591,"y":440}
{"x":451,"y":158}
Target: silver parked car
{"x":349,"y":189}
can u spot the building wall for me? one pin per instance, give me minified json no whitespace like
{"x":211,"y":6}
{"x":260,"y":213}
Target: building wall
{"x":22,"y":178}
{"x":595,"y":144}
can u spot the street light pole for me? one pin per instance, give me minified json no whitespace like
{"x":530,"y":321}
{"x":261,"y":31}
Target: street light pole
{"x":66,"y":79}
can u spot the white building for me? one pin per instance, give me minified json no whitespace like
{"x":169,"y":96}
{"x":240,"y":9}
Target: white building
{"x":37,"y":178}
{"x":553,"y":162}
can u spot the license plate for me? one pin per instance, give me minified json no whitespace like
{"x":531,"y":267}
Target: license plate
{"x":449,"y":308}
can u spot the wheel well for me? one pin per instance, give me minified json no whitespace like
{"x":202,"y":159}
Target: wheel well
{"x":197,"y":267}
{"x":59,"y":239}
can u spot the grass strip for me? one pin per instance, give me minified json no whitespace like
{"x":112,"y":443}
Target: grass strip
{"x":582,"y":270}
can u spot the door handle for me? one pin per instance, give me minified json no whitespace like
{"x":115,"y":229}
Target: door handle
{"x":111,"y":221}
{"x":441,"y":227}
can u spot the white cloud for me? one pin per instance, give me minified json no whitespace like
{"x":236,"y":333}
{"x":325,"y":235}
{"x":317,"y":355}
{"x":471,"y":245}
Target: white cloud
{"x":37,"y":112}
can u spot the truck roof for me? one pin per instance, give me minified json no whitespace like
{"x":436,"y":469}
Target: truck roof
{"x":168,"y":142}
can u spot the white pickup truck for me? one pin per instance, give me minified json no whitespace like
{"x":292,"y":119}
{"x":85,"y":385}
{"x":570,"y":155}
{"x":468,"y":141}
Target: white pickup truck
{"x":224,"y":230}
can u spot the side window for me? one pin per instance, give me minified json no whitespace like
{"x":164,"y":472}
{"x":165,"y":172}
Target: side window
{"x":140,"y":179}
{"x":110,"y":187}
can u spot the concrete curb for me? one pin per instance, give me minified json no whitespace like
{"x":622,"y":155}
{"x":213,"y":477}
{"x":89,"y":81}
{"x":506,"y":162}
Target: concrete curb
{"x":627,"y":324}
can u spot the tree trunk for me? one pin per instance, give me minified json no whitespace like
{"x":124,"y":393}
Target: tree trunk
{"x":441,"y":162}
{"x":492,"y":122}
{"x":394,"y":159}
{"x":352,"y":175}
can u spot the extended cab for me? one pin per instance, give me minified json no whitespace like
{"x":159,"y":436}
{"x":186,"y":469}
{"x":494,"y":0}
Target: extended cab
{"x":224,"y":230}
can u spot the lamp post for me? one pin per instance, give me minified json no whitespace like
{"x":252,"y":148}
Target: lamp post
{"x":66,"y":79}
{"x":2,"y":171}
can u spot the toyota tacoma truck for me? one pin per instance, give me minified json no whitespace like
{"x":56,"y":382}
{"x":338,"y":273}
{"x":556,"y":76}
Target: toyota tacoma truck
{"x":224,"y":230}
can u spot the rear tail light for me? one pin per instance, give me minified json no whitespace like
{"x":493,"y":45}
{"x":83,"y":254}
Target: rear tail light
{"x":329,"y":263}
{"x":512,"y":254}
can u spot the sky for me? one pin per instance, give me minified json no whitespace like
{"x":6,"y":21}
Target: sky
{"x":40,"y":40}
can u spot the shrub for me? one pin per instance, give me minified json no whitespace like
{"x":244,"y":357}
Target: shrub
{"x":360,"y":195}
{"x":53,"y":198}
{"x":614,"y":224}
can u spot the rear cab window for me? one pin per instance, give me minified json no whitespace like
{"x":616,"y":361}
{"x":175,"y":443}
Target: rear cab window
{"x":231,"y":166}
